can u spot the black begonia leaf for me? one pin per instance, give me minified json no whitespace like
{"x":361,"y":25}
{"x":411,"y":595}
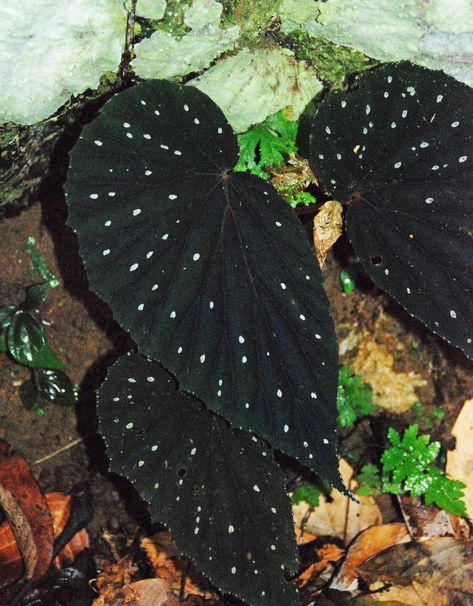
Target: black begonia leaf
{"x":210,"y":271}
{"x":217,"y":489}
{"x":398,"y":150}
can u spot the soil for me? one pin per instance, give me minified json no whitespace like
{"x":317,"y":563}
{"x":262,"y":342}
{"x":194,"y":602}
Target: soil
{"x":62,"y":446}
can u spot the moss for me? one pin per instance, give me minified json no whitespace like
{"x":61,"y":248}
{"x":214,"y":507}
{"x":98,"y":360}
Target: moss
{"x":333,"y":63}
{"x":172,"y":21}
{"x":253,"y":16}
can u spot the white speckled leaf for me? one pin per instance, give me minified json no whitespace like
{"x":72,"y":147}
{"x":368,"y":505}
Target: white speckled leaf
{"x":209,"y":270}
{"x":163,"y":56}
{"x":52,"y":49}
{"x":152,"y":9}
{"x":218,"y":490}
{"x":259,"y":83}
{"x":398,"y":151}
{"x":436,"y":34}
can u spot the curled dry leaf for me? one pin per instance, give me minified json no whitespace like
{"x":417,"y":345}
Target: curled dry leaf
{"x":11,"y":563}
{"x":28,"y":515}
{"x":60,"y":507}
{"x":338,"y":516}
{"x":393,"y":391}
{"x":328,"y":227}
{"x":460,"y":460}
{"x":368,"y":544}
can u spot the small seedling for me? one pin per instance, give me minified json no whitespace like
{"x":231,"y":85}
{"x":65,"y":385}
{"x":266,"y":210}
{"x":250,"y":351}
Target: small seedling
{"x":308,"y":493}
{"x":407,"y":469}
{"x":39,"y":264}
{"x":354,"y":397}
{"x":267,"y":144}
{"x":23,"y":337}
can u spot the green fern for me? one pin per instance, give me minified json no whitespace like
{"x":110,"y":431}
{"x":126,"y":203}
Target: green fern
{"x":267,"y":144}
{"x":407,"y":468}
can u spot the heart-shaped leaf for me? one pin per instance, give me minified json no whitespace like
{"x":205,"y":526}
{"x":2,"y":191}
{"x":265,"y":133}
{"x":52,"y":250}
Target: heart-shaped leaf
{"x":36,"y":295}
{"x":56,"y":387}
{"x":27,"y":343}
{"x":398,"y":150}
{"x":218,"y":490}
{"x":210,"y":271}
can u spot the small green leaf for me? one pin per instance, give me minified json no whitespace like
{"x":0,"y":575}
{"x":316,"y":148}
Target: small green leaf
{"x":302,"y":198}
{"x":6,"y":314}
{"x":370,"y":480}
{"x":308,"y":493}
{"x":35,"y":296}
{"x":56,"y":387}
{"x":266,"y":144}
{"x":354,"y":398}
{"x":347,"y":280}
{"x":29,"y":394}
{"x":40,"y":264}
{"x":27,"y":343}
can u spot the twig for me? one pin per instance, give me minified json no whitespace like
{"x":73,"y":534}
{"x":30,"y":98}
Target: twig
{"x":58,"y":451}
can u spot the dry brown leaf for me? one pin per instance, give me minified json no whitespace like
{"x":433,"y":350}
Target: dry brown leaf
{"x":369,"y":543}
{"x":438,"y":572}
{"x":460,"y":460}
{"x":303,"y":537}
{"x":292,"y":177}
{"x":428,"y":521}
{"x":326,"y":555}
{"x":162,"y":556}
{"x":147,"y":592}
{"x":328,"y":227}
{"x":393,"y":391}
{"x":339,"y":516}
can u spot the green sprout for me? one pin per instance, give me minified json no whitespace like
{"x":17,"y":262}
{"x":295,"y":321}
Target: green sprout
{"x":39,"y":263}
{"x":354,"y":397}
{"x":407,"y":469}
{"x":23,"y":337}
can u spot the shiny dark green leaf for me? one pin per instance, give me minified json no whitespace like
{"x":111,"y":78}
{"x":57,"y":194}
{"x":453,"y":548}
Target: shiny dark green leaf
{"x":56,"y":387}
{"x":218,"y":490}
{"x":6,"y":314}
{"x":27,"y":343}
{"x":29,"y":394}
{"x":35,"y":296}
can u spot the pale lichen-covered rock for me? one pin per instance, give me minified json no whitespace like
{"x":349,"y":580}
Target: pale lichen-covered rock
{"x":151,"y":9}
{"x":164,"y":56}
{"x":254,"y":84}
{"x":437,"y":34}
{"x":52,"y":49}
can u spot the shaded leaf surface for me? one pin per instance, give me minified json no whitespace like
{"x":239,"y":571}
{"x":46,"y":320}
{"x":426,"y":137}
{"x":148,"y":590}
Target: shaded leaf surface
{"x":210,"y":271}
{"x":398,"y":151}
{"x":218,"y":490}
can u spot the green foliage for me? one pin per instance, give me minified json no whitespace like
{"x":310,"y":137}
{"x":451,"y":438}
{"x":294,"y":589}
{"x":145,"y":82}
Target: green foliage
{"x":347,"y":280}
{"x":23,"y":337}
{"x":308,"y":493}
{"x":301,"y":198}
{"x":39,"y":263}
{"x":267,"y":144}
{"x":427,"y":418}
{"x":354,"y":398}
{"x":331,"y":62}
{"x":407,"y":468}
